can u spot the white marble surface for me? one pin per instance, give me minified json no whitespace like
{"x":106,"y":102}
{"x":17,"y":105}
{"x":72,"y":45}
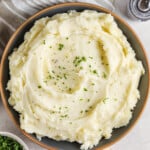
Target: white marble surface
{"x":139,"y":136}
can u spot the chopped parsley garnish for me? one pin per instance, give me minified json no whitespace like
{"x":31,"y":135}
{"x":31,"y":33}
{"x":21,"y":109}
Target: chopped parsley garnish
{"x":66,"y":107}
{"x":53,"y":112}
{"x":83,"y":58}
{"x":94,"y":71}
{"x":81,"y":67}
{"x":59,"y":77}
{"x":64,"y":116}
{"x":104,"y":100}
{"x":77,"y":61}
{"x":44,"y":42}
{"x":61,"y":67}
{"x":104,"y":75}
{"x":85,"y":89}
{"x":60,"y":46}
{"x":81,"y":111}
{"x":39,"y":86}
{"x":92,"y":83}
{"x":53,"y":71}
{"x":65,"y":76}
{"x":88,"y":100}
{"x":90,"y":57}
{"x":67,"y":38}
{"x":7,"y":143}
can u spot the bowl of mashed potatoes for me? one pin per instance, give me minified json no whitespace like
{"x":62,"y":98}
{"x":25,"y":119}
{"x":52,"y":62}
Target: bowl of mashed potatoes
{"x":74,"y":76}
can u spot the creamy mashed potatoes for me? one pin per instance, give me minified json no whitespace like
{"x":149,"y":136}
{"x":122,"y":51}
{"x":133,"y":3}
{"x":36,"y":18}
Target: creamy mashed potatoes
{"x":74,"y":78}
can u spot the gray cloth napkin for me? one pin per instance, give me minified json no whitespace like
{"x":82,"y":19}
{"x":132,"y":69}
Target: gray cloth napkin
{"x":15,"y":12}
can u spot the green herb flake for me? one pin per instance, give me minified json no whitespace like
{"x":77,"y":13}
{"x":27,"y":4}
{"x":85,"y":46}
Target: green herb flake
{"x":92,"y":84}
{"x":81,"y":99}
{"x":88,"y":100}
{"x":85,"y":89}
{"x":104,"y":75}
{"x":64,"y":116}
{"x":81,"y":111}
{"x":83,"y":58}
{"x":67,"y":38}
{"x":49,"y":77}
{"x":39,"y":86}
{"x":53,"y":71}
{"x":65,"y":76}
{"x":60,"y":46}
{"x":104,"y":100}
{"x":81,"y":68}
{"x":44,"y":42}
{"x":94,"y":71}
{"x":53,"y":112}
{"x":45,"y":81}
{"x":59,"y":77}
{"x":77,"y":61}
{"x":90,"y":57}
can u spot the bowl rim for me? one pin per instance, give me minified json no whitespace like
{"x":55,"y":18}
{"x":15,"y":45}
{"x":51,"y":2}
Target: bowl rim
{"x":16,"y":138}
{"x":94,"y":6}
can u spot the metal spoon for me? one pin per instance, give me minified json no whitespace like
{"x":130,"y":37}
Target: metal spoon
{"x":143,"y":5}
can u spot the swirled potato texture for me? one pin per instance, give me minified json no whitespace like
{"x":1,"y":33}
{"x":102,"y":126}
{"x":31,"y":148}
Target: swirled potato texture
{"x":75,"y":77}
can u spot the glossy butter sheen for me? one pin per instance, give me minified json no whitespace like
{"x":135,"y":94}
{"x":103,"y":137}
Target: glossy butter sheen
{"x":75,"y":78}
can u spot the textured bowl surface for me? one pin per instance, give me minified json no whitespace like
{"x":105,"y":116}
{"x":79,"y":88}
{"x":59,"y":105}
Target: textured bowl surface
{"x":17,"y":38}
{"x":8,"y":134}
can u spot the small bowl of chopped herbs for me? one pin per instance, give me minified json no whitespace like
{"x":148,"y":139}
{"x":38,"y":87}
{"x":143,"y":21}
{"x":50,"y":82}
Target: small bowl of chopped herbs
{"x":9,"y":141}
